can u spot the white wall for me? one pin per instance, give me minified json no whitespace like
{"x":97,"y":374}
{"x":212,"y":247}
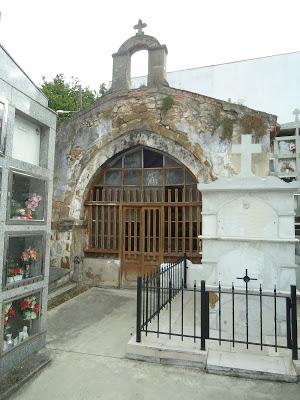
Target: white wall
{"x":270,"y":84}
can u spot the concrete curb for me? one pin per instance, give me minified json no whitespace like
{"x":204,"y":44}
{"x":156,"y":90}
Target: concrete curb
{"x":242,"y":365}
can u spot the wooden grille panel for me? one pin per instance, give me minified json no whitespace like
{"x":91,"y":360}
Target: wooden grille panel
{"x":179,"y":216}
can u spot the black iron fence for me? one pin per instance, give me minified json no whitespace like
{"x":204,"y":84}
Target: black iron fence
{"x":247,"y":316}
{"x":152,"y":298}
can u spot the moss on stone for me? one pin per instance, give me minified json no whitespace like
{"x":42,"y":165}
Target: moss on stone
{"x":167,"y":104}
{"x":227,"y":125}
{"x":253,"y":123}
{"x":106,"y":113}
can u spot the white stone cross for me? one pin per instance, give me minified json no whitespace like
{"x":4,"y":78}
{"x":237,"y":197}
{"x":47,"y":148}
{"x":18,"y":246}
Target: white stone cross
{"x":246,"y":149}
{"x":140,"y":25}
{"x":296,"y":112}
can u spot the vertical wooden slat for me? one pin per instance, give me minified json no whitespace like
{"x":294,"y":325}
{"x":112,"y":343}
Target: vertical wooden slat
{"x":198,"y":221}
{"x":135,"y":232}
{"x":102,"y":220}
{"x":154,"y":230}
{"x":169,"y":221}
{"x":149,"y":230}
{"x":176,"y":221}
{"x":90,"y":219}
{"x":183,"y":221}
{"x":129,"y":229}
{"x":108,"y":227}
{"x":115,"y":221}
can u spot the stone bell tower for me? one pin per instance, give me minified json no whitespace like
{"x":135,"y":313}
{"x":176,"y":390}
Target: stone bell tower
{"x":156,"y":60}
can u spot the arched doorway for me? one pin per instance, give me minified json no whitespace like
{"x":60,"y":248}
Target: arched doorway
{"x":143,"y":207}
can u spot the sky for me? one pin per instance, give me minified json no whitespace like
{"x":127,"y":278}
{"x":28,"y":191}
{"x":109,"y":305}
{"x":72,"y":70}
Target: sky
{"x":77,"y":38}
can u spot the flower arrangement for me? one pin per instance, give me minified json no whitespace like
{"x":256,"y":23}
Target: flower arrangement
{"x":30,"y":308}
{"x":29,"y":255}
{"x":292,"y":147}
{"x":287,"y":167}
{"x":9,"y":312}
{"x":27,"y":212}
{"x":15,"y":271}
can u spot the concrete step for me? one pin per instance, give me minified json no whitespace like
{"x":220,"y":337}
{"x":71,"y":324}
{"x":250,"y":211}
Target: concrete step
{"x":61,"y":290}
{"x":247,"y":365}
{"x":58,"y":277}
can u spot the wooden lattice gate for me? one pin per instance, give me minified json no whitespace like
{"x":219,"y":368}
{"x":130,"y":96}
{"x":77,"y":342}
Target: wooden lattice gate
{"x":143,"y":225}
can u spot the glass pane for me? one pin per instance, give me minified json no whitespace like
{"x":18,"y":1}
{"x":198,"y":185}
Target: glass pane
{"x":116,"y":163}
{"x":170,"y":162}
{"x":113,"y":178}
{"x":133,"y":160}
{"x":189,"y":178}
{"x":24,"y":258}
{"x":132,"y":177}
{"x":27,"y":198}
{"x":100,"y":180}
{"x":174,"y":177}
{"x":21,"y":320}
{"x":1,"y":117}
{"x":152,"y":159}
{"x":153,"y":177}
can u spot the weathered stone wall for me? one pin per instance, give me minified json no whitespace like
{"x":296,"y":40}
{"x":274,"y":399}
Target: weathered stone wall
{"x":197,"y":130}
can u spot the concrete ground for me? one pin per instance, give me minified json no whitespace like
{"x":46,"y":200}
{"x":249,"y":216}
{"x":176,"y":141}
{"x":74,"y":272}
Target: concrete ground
{"x":88,"y":336}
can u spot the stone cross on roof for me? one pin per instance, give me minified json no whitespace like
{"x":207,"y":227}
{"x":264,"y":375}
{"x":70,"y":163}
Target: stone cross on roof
{"x":246,"y":149}
{"x":140,"y":25}
{"x":296,"y":112}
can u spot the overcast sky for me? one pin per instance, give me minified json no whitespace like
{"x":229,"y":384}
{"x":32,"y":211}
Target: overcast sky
{"x":77,"y":38}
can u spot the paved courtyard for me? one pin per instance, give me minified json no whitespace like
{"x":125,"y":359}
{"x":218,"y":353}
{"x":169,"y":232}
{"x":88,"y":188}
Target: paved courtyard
{"x":87,"y":337}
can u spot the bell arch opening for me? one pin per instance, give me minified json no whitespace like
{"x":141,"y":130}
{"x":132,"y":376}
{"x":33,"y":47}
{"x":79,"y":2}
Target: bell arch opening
{"x":143,"y":207}
{"x":139,"y":69}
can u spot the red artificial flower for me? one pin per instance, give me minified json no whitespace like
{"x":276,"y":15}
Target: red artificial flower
{"x":24,"y":304}
{"x":37,"y":308}
{"x":11,"y":312}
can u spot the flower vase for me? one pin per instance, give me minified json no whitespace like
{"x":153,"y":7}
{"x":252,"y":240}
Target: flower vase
{"x":25,"y":333}
{"x":10,"y":279}
{"x":18,"y":278}
{"x":9,"y":341}
{"x":5,"y":346}
{"x":27,"y":270}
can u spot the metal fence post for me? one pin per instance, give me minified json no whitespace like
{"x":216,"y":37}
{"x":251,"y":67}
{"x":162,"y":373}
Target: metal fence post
{"x":288,"y":323}
{"x":138,"y":309}
{"x":204,"y":315}
{"x":185,"y":271}
{"x":294,"y":322}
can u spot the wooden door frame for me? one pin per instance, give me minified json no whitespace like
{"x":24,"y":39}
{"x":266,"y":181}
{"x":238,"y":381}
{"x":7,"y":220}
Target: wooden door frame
{"x":142,"y":207}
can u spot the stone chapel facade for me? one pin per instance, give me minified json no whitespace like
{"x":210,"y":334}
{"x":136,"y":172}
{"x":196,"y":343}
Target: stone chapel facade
{"x":127,"y":169}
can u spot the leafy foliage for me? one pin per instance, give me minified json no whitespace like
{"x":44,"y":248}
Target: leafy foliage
{"x":64,"y":95}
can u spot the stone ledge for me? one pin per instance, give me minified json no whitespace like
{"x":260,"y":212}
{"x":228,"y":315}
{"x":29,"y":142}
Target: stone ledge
{"x":240,"y":364}
{"x":251,"y":366}
{"x":162,"y":354}
{"x":19,"y":375}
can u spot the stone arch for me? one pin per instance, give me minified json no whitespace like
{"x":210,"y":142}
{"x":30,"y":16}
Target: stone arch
{"x":157,"y":55}
{"x":139,"y":42}
{"x":125,"y":142}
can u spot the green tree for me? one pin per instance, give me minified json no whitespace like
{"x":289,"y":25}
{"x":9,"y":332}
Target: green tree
{"x":67,"y":96}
